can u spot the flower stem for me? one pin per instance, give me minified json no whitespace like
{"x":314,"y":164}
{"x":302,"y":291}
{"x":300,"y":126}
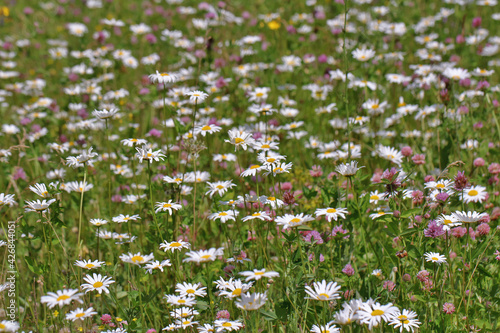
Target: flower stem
{"x":81,"y":210}
{"x":151,"y":200}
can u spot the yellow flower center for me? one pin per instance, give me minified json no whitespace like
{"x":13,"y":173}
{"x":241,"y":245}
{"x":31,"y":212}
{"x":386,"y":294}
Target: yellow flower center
{"x":259,"y":94}
{"x":220,"y":187}
{"x":237,"y":292}
{"x":178,"y":180}
{"x":206,"y":128}
{"x":259,"y":273}
{"x":164,"y":74}
{"x":359,"y":118}
{"x":206,"y":256}
{"x":440,"y":186}
{"x":266,"y":146}
{"x":62,"y":298}
{"x":295,"y":220}
{"x":256,"y":214}
{"x":222,"y":214}
{"x":89,"y":266}
{"x":79,"y":315}
{"x":271,"y":160}
{"x":181,"y":301}
{"x":473,"y":193}
{"x":167,"y":205}
{"x":98,"y":284}
{"x":137,"y":259}
{"x":377,"y":312}
{"x":331,"y":210}
{"x":190,"y":291}
{"x":434,"y":258}
{"x":227,"y":324}
{"x":277,"y":169}
{"x":323,"y":295}
{"x":374,"y":197}
{"x":255,"y":166}
{"x":238,"y":140}
{"x":446,"y":222}
{"x":375,"y":106}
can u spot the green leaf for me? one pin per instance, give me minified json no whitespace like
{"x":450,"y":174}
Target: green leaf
{"x":268,"y":315}
{"x":151,"y":296}
{"x":282,"y":310}
{"x":410,"y":212}
{"x":34,"y":269}
{"x":290,"y":237}
{"x":483,"y":271}
{"x":121,"y":294}
{"x":409,"y":232}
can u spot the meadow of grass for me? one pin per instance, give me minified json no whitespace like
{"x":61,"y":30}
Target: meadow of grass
{"x":256,"y":166}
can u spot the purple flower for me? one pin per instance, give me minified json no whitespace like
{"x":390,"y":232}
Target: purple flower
{"x":434,"y":230}
{"x":339,"y":230}
{"x":448,"y":308}
{"x":19,"y":174}
{"x":418,"y":159}
{"x":348,"y":270}
{"x":442,"y":197}
{"x":224,"y":314}
{"x":313,"y":236}
{"x":461,"y":181}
